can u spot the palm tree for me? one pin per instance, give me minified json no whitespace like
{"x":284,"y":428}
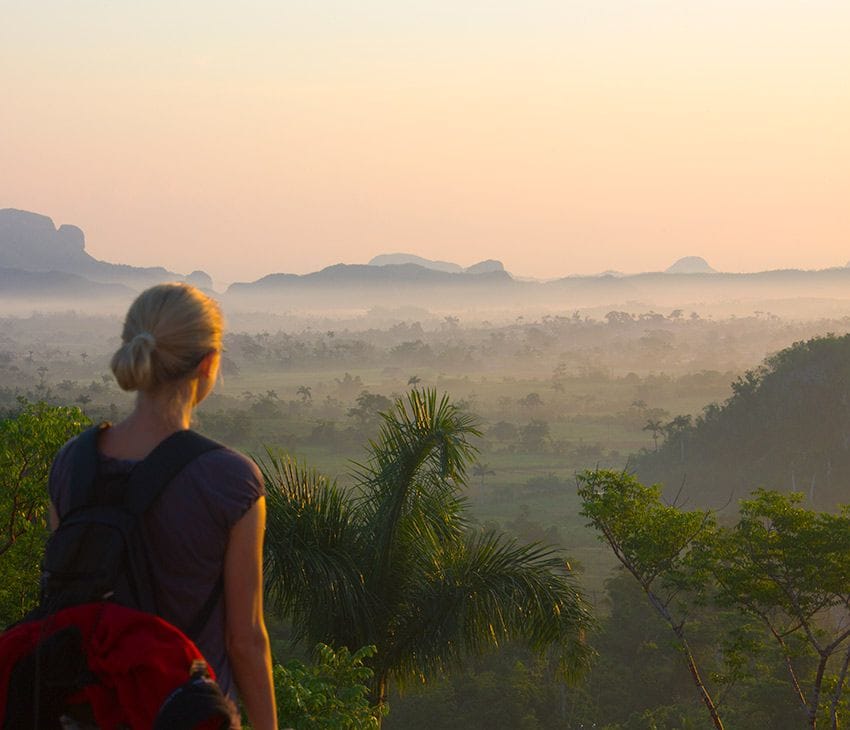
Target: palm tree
{"x":656,"y":428}
{"x":393,"y":562}
{"x":481,"y":470}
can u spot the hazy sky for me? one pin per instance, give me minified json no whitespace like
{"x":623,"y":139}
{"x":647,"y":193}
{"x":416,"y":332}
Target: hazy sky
{"x":562,"y":136}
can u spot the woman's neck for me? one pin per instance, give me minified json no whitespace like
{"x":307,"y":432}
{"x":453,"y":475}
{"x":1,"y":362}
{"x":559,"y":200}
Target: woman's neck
{"x":157,"y":415}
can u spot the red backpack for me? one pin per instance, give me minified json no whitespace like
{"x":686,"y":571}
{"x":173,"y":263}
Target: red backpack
{"x":108,"y":665}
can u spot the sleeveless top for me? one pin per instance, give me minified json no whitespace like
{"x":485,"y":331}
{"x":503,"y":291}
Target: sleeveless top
{"x":186,"y":532}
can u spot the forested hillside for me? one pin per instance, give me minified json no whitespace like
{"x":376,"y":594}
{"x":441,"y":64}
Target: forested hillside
{"x":786,"y":426}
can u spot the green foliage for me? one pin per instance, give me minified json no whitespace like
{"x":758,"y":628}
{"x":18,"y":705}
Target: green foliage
{"x":331,"y":693}
{"x":29,"y":441}
{"x":504,"y":691}
{"x":781,"y":565}
{"x":650,"y":538}
{"x":788,"y":567}
{"x":781,"y":557}
{"x":392,"y":562}
{"x":653,"y":541}
{"x":786,"y":425}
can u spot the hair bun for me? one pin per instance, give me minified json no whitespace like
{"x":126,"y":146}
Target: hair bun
{"x":187,"y":325}
{"x":144,"y":338}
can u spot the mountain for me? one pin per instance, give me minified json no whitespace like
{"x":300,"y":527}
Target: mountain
{"x":690,"y":265}
{"x":355,"y":286}
{"x":399,"y":259}
{"x":791,"y":293}
{"x":360,"y":275}
{"x":485,"y":267}
{"x":56,"y":287}
{"x":31,"y":242}
{"x":786,"y":426}
{"x":200,"y":279}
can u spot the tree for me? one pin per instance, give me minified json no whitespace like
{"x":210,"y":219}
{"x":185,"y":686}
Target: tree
{"x":369,"y":408}
{"x":348,"y":385}
{"x":304,"y":393}
{"x":534,"y":435}
{"x":651,"y":540}
{"x":780,"y":566}
{"x":677,"y":432}
{"x":393,"y":562}
{"x":656,"y":428}
{"x":503,"y":431}
{"x":481,"y":470}
{"x":532,"y":400}
{"x":788,"y":567}
{"x":28,"y":443}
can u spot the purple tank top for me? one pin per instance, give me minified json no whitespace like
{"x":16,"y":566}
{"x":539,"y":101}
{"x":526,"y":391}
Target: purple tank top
{"x":186,"y":531}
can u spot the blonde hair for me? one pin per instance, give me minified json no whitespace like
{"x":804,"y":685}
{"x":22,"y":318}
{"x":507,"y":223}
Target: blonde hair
{"x":168,"y":330}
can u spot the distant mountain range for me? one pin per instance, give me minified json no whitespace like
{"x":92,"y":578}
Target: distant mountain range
{"x":42,"y":263}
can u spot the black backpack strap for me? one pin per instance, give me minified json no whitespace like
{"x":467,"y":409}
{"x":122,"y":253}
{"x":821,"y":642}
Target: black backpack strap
{"x":203,"y":616}
{"x":150,"y":476}
{"x":84,"y":468}
{"x":147,"y":481}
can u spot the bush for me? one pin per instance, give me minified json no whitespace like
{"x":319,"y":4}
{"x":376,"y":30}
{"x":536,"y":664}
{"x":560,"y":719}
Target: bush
{"x":332,"y":693}
{"x":28,"y":442}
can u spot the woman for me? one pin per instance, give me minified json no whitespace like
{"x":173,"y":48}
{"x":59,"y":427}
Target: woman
{"x":209,"y":522}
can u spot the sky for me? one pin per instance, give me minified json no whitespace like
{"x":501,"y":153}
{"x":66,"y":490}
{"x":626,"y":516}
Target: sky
{"x":558,"y":136}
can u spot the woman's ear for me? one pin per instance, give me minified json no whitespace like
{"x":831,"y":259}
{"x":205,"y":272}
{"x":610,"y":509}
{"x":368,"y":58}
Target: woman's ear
{"x":208,"y":364}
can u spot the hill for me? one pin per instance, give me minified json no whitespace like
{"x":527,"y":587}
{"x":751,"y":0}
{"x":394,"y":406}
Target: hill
{"x":31,"y":242}
{"x":786,"y":426}
{"x":56,"y":288}
{"x":356,"y":285}
{"x":397,"y":259}
{"x":690,"y":265}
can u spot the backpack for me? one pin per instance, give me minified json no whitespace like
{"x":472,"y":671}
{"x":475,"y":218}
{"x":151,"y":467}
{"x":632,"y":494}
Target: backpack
{"x":98,"y":602}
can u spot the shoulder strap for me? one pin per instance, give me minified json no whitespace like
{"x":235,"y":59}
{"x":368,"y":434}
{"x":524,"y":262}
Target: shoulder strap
{"x":147,"y":481}
{"x":84,"y":467}
{"x":150,"y":476}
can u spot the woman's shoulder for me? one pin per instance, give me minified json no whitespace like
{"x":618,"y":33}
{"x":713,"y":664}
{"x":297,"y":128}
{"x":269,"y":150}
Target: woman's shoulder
{"x":230,"y":482}
{"x":229,"y":464}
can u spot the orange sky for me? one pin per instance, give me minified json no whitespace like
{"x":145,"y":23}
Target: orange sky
{"x":560,"y":137}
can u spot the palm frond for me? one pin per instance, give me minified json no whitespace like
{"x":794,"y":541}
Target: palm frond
{"x":483,"y":592}
{"x":313,"y":554}
{"x":411,"y":483}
